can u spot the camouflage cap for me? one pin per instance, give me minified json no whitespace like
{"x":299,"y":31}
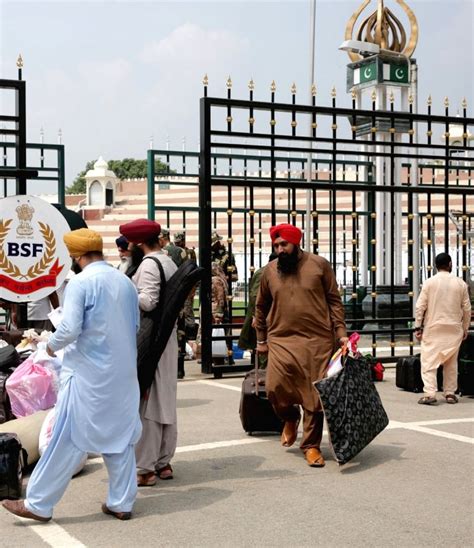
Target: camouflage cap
{"x":215,"y":237}
{"x":180,"y":237}
{"x":165,"y":233}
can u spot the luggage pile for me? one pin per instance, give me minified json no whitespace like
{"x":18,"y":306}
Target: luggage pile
{"x":29,"y":381}
{"x":408,"y":371}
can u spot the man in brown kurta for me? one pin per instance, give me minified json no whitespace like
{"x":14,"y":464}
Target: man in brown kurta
{"x":299,"y":319}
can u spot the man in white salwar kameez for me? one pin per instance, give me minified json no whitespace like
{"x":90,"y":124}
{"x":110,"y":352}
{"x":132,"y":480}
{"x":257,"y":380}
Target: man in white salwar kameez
{"x":97,"y":408}
{"x":157,"y":444}
{"x":443,"y":315}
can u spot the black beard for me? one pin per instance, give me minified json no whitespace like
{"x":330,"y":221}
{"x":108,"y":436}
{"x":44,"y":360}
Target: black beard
{"x":288,"y":262}
{"x":75,"y":267}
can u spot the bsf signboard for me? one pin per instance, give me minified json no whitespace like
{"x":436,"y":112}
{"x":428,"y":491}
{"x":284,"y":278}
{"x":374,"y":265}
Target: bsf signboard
{"x":34,"y":260}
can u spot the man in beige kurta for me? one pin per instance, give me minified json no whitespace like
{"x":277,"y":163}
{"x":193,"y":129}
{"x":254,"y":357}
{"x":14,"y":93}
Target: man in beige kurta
{"x":299,"y":318}
{"x":443,"y":315}
{"x":157,"y":444}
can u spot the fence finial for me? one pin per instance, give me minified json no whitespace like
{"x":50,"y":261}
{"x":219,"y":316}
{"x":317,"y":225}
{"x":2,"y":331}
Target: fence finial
{"x":229,"y":82}
{"x":333,"y":91}
{"x":251,"y":84}
{"x":273,"y":86}
{"x":293,"y":89}
{"x":205,"y":80}
{"x":19,"y":61}
{"x":313,"y":89}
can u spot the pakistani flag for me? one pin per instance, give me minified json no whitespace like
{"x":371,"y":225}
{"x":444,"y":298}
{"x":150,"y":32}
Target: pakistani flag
{"x":365,"y":73}
{"x":399,"y":73}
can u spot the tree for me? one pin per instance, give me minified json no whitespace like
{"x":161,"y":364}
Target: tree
{"x":128,"y":168}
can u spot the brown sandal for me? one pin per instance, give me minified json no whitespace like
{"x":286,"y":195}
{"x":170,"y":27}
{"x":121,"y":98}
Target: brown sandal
{"x":427,"y":400}
{"x":165,"y":473}
{"x":451,"y":398}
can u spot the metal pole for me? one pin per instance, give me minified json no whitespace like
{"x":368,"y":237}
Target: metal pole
{"x":416,"y":218}
{"x":308,"y":231}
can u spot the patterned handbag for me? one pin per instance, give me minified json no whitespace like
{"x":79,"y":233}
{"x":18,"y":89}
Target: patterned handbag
{"x":352,"y":407}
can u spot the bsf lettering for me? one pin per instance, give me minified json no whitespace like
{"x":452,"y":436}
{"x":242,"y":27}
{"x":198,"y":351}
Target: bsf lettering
{"x":24,"y":250}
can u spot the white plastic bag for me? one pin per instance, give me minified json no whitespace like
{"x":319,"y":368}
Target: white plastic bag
{"x":335,"y":363}
{"x":219,"y":348}
{"x":45,"y":437}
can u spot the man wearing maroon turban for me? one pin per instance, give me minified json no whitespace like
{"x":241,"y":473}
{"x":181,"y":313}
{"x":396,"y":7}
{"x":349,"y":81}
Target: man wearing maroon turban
{"x":299,"y":320}
{"x":157,"y":445}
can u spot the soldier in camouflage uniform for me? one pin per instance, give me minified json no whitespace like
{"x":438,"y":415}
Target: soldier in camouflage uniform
{"x":189,"y":317}
{"x":180,"y":241}
{"x":219,"y":254}
{"x":174,"y":252}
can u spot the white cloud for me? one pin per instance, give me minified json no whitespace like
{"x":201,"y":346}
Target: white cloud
{"x":104,"y":77}
{"x":190,"y":43}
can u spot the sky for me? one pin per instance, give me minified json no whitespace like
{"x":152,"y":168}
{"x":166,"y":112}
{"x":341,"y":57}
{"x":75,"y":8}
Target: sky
{"x":111,"y":74}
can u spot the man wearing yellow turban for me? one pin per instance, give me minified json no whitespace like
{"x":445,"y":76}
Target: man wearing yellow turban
{"x":97,"y":408}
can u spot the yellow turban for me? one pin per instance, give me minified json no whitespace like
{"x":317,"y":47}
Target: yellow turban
{"x":81,"y":241}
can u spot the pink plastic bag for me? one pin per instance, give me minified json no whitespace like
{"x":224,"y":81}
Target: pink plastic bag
{"x":31,"y":388}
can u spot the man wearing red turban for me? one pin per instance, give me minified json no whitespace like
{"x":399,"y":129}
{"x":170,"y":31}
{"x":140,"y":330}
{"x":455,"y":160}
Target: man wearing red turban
{"x":299,"y":319}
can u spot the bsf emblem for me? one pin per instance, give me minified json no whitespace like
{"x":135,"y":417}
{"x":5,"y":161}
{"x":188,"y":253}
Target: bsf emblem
{"x":40,"y":274}
{"x":25,"y":214}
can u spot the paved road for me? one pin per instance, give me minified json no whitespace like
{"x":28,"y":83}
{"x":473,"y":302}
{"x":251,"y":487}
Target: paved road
{"x":413,"y":486}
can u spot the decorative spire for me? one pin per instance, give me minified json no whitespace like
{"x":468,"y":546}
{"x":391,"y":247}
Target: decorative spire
{"x":251,"y":84}
{"x":229,"y":82}
{"x":19,"y":62}
{"x":333,"y":92}
{"x":273,"y":86}
{"x":313,"y":89}
{"x":293,"y":89}
{"x":205,"y":80}
{"x":383,"y":28}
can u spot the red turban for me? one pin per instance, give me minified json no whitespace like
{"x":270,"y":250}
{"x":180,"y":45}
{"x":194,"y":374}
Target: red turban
{"x":288,"y":232}
{"x":140,"y":230}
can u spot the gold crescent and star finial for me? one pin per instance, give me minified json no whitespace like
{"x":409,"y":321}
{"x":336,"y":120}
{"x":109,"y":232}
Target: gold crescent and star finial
{"x":383,"y":28}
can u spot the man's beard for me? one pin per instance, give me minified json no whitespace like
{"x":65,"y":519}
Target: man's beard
{"x":288,"y":262}
{"x":75,"y":267}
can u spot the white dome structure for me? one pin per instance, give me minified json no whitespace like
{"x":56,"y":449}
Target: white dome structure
{"x":100,"y":185}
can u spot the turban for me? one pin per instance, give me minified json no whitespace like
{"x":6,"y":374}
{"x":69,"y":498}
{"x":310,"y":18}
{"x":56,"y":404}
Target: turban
{"x":122,"y":243}
{"x":288,"y":232}
{"x":82,"y":241}
{"x":140,"y":231}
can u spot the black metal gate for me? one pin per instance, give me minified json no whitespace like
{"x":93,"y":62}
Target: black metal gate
{"x":380,"y":238}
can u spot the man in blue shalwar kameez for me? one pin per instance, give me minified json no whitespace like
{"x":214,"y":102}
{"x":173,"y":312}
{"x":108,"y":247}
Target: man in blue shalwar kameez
{"x":97,"y":408}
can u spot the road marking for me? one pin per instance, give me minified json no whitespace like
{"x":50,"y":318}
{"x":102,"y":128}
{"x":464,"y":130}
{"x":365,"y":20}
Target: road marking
{"x":441,"y":421}
{"x":53,"y":534}
{"x":219,"y":444}
{"x":439,"y":433}
{"x":221,"y":385}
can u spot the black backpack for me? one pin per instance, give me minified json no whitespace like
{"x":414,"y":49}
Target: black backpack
{"x":12,"y":459}
{"x":173,"y":294}
{"x":9,"y":358}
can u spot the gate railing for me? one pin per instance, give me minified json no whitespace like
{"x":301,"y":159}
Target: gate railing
{"x":386,"y":228}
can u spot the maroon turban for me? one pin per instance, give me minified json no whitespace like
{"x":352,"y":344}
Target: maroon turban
{"x":140,"y":231}
{"x":288,"y":232}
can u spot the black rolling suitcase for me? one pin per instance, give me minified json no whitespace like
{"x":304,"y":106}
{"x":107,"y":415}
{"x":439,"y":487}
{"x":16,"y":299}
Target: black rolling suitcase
{"x":256,"y":411}
{"x":466,"y":377}
{"x":408,"y":374}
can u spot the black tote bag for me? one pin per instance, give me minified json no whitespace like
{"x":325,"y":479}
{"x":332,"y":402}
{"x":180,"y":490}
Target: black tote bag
{"x":352,"y":407}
